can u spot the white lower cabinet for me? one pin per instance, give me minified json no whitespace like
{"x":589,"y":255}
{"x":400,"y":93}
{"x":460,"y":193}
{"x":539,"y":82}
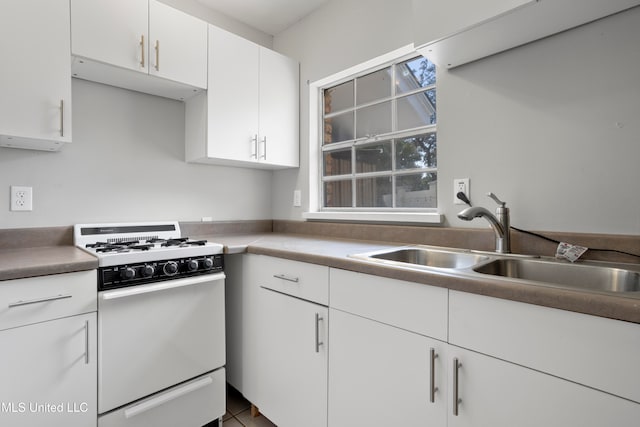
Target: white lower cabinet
{"x":48,"y":373}
{"x":492,"y":392}
{"x":48,"y":351}
{"x":292,"y":375}
{"x":380,"y":362}
{"x":277,"y":337}
{"x":380,"y":375}
{"x":390,"y":352}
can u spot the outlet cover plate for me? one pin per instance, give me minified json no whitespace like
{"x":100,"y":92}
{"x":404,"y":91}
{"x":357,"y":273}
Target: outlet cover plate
{"x":460,"y":184}
{"x":21,"y":198}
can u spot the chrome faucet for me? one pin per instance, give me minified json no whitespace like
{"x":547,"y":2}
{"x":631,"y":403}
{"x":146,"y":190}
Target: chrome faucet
{"x":499,"y":222}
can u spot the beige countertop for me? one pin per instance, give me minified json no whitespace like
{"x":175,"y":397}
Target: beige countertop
{"x":16,"y":263}
{"x":334,"y":253}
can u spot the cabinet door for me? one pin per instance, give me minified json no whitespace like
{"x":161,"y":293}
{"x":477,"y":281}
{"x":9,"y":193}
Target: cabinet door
{"x":495,"y":393}
{"x":35,"y":75}
{"x":279,"y":89}
{"x":292,"y":375}
{"x":111,"y":31}
{"x":48,"y":372}
{"x":177,"y":45}
{"x":381,"y":375}
{"x":232,"y":97}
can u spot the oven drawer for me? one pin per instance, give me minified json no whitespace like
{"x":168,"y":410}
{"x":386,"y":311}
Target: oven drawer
{"x":299,"y":279}
{"x":190,"y":404}
{"x":37,"y":299}
{"x":151,"y":337}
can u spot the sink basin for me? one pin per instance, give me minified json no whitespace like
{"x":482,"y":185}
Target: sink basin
{"x":426,"y":257}
{"x":581,"y":276}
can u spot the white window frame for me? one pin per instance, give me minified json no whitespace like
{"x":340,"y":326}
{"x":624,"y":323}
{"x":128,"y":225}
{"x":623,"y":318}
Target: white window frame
{"x":316,"y":211}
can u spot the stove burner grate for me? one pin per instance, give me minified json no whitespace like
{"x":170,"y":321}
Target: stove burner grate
{"x":129,"y":245}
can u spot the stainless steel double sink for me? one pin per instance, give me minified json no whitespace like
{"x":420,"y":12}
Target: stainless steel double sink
{"x":611,"y":278}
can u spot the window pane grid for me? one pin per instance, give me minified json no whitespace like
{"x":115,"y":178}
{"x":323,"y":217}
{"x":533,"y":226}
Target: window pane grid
{"x":393,"y":140}
{"x":379,"y":101}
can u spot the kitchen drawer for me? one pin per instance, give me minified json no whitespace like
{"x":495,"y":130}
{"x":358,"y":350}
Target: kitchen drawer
{"x":190,"y":404}
{"x":301,"y":280}
{"x":36,"y":299}
{"x":593,"y":351}
{"x":411,"y":306}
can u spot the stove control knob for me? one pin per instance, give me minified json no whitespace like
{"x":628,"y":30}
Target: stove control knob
{"x":148,"y":270}
{"x":192,"y":265}
{"x":207,"y":263}
{"x":170,"y":268}
{"x":127,"y":273}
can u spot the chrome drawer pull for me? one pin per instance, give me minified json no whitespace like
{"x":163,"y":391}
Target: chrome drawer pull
{"x":456,"y":399}
{"x":264,"y":153}
{"x":318,"y":342}
{"x":433,"y":388}
{"x":157,"y":55}
{"x":62,"y":117}
{"x":142,"y":50}
{"x":287,"y":278}
{"x":37,"y":301}
{"x":86,"y":342}
{"x":254,"y":147}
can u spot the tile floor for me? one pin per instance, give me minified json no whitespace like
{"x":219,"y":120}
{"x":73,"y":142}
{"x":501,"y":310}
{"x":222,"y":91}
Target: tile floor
{"x":239,"y":412}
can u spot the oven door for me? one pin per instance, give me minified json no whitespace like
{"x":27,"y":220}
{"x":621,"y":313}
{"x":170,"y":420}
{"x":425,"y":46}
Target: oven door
{"x":151,"y":337}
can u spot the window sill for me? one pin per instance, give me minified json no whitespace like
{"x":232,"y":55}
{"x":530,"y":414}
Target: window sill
{"x":432,"y":218}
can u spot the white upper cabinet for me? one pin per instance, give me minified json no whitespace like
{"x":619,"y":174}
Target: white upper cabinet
{"x":249,"y":117}
{"x":233,"y":117}
{"x":122,"y":42}
{"x":278,"y":102}
{"x":35,"y":75}
{"x":111,"y":31}
{"x":177,"y":45}
{"x":450,"y":38}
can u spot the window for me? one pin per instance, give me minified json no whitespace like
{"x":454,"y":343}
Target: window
{"x":379,"y":148}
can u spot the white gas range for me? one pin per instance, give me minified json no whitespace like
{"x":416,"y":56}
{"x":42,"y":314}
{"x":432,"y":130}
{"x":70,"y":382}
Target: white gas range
{"x":161,"y":348}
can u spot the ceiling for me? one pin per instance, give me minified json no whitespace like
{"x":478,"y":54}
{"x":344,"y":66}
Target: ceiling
{"x":268,"y":16}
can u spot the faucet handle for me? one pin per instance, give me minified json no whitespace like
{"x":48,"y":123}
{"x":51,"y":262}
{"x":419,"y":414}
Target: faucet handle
{"x":495,"y":199}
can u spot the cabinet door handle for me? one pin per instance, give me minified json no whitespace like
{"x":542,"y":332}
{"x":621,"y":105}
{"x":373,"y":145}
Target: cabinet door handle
{"x":318,"y":342}
{"x":38,"y":300}
{"x":62,"y":117}
{"x":287,"y":278}
{"x":432,"y":371}
{"x":254,"y":147}
{"x":264,"y":152}
{"x":142,"y":50}
{"x":163,"y":398}
{"x":157,"y":55}
{"x":86,"y":342}
{"x":456,"y":399}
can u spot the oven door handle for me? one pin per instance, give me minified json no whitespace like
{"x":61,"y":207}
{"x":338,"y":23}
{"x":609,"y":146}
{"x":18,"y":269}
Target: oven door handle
{"x":160,"y":286}
{"x":167,"y":397}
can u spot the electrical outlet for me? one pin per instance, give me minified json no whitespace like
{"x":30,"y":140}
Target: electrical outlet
{"x":297,"y":198}
{"x":460,"y":185}
{"x":21,"y":198}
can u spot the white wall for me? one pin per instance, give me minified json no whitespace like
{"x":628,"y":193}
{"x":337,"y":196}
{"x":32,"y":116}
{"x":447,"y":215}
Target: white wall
{"x":553,"y":127}
{"x":126,"y":163}
{"x":194,"y":8}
